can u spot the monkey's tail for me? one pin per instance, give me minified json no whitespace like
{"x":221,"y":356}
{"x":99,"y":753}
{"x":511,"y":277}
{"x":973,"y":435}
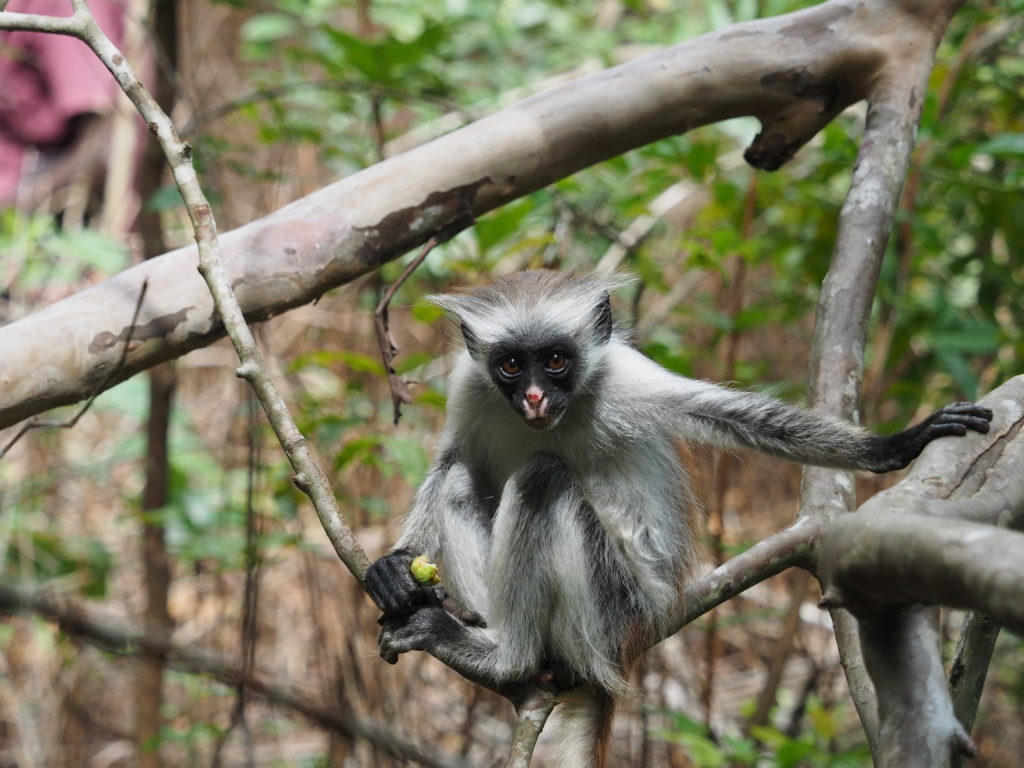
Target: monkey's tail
{"x":584,"y":727}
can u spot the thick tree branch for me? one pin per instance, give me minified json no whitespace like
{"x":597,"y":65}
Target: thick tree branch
{"x":916,"y":724}
{"x":905,"y":549}
{"x":110,"y":637}
{"x":837,"y":359}
{"x":895,"y":558}
{"x":802,"y":67}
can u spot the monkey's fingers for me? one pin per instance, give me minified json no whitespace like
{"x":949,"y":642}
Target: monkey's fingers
{"x":390,"y":583}
{"x":389,"y":625}
{"x":973,"y":417}
{"x":389,"y":654}
{"x":941,"y":429}
{"x":397,"y":636}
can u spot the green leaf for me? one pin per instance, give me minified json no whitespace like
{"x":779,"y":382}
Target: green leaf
{"x":359,"y":448}
{"x":957,"y":367}
{"x":89,"y":247}
{"x":425,"y":312}
{"x":792,"y":752}
{"x":331,"y":358}
{"x":268,"y":28}
{"x":410,"y":457}
{"x":1005,"y":144}
{"x":166,"y":198}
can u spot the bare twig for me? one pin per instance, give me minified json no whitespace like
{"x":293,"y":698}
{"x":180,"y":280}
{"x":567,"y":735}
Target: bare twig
{"x":250,"y":599}
{"x":386,"y":342}
{"x":36,"y":423}
{"x":309,"y":477}
{"x":970,"y":665}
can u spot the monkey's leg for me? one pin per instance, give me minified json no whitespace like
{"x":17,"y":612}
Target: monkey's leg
{"x":558,"y":583}
{"x":536,"y":544}
{"x":507,"y":573}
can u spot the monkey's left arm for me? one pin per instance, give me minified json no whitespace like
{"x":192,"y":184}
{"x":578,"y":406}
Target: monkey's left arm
{"x":729,"y":417}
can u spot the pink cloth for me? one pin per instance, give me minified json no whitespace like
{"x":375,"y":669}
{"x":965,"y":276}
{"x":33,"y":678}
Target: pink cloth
{"x":45,"y":81}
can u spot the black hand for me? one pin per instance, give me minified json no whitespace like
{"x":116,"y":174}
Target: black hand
{"x":902,"y":448}
{"x":423,"y":630}
{"x":391,"y":584}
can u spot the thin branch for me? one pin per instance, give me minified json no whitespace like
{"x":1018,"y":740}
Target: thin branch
{"x":309,"y":477}
{"x":75,"y":622}
{"x":28,"y":22}
{"x":969,"y":669}
{"x":250,"y":599}
{"x":36,"y":423}
{"x":533,"y":712}
{"x":973,"y":655}
{"x":794,"y":547}
{"x":386,"y":342}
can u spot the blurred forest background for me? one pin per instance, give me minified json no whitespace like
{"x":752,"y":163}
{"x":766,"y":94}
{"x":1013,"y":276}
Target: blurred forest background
{"x":278,"y":98}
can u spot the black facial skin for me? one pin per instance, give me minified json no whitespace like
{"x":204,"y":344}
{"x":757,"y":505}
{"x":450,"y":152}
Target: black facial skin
{"x":548,"y":369}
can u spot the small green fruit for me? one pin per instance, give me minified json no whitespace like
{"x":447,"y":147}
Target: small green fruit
{"x":424,"y":571}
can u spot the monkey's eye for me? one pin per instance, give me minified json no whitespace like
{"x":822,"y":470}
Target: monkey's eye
{"x":557,"y":363}
{"x":510,"y":367}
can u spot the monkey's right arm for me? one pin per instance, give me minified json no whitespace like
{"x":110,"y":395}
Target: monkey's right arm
{"x":389,"y":580}
{"x":493,"y":562}
{"x":444,"y":517}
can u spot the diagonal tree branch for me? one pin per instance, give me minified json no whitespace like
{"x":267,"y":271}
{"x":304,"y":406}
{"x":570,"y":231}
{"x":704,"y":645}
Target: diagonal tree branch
{"x":794,"y":547}
{"x":794,"y":72}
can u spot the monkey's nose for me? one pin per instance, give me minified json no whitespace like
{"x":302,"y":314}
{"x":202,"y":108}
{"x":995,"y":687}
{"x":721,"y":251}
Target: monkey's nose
{"x":533,"y":395}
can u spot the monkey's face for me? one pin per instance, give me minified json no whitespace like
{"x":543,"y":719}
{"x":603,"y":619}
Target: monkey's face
{"x":538,"y":381}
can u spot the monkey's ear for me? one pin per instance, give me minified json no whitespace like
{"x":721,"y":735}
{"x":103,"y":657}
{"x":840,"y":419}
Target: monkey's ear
{"x":472,"y":342}
{"x":603,"y":320}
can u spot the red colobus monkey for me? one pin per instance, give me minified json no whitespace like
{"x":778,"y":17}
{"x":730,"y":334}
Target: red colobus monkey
{"x":558,"y":508}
